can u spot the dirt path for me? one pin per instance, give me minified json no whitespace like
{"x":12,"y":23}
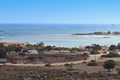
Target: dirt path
{"x":92,"y":57}
{"x":53,"y":64}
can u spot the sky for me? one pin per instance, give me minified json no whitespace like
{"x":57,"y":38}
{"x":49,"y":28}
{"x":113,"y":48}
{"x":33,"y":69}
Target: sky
{"x":60,"y":11}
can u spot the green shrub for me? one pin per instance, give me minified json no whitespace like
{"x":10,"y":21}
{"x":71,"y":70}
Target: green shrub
{"x":109,"y":64}
{"x":84,"y":62}
{"x":93,"y":61}
{"x":94,"y":52}
{"x":47,"y":65}
{"x":92,"y":64}
{"x":11,"y":58}
{"x":68,"y":66}
{"x":111,"y":55}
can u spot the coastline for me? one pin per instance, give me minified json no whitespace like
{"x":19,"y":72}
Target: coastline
{"x":109,"y":33}
{"x":66,"y":40}
{"x":59,"y":36}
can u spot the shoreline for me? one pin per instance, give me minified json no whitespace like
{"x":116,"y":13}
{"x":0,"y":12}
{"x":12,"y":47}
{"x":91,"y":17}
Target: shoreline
{"x":66,"y":40}
{"x":97,"y":34}
{"x":109,"y":33}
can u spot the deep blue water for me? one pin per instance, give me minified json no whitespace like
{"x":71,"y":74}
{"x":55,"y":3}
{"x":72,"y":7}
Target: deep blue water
{"x":58,"y":34}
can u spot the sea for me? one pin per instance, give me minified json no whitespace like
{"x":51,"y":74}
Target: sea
{"x":59,"y":34}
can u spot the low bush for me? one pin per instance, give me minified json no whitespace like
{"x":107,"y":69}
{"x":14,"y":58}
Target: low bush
{"x":93,"y":61}
{"x":94,"y":52}
{"x":84,"y":62}
{"x":68,"y":66}
{"x":47,"y":65}
{"x":92,"y":64}
{"x":111,"y":55}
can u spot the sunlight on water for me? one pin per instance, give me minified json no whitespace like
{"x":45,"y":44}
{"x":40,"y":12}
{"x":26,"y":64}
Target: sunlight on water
{"x":58,"y":35}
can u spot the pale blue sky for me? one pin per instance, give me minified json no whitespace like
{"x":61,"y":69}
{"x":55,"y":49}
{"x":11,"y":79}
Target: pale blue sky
{"x":60,"y":11}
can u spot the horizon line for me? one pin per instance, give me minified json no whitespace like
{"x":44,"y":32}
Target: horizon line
{"x":62,"y":23}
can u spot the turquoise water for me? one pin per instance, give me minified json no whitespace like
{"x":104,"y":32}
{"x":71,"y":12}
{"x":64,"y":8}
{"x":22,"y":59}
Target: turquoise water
{"x":58,"y":34}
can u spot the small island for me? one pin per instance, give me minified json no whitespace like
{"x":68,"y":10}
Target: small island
{"x":99,"y":33}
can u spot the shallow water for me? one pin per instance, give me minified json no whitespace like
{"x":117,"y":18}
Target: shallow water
{"x":58,"y":34}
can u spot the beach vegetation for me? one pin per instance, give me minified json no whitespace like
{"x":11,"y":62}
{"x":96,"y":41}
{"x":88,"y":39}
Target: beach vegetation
{"x":29,"y":46}
{"x":97,"y":47}
{"x":85,"y":55}
{"x":111,"y":55}
{"x":75,"y":49}
{"x":94,"y":52}
{"x":41,"y":44}
{"x":68,"y":66}
{"x":47,"y":65}
{"x":109,"y":32}
{"x":22,"y":54}
{"x":92,"y":63}
{"x":13,"y":47}
{"x":2,"y":51}
{"x":88,"y":47}
{"x":109,"y":64}
{"x":11,"y":58}
{"x":48,"y":48}
{"x":118,"y":46}
{"x":112,"y":47}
